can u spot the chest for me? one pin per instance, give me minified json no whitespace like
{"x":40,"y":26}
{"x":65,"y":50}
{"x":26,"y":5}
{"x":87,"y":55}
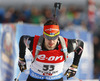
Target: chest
{"x":53,"y":56}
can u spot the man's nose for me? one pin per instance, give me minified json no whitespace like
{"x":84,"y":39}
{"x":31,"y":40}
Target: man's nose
{"x":51,"y":41}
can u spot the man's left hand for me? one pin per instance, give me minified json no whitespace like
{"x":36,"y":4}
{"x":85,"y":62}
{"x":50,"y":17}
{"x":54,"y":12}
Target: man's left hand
{"x":71,"y":71}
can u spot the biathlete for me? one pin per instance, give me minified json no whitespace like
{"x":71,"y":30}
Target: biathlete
{"x":49,"y":53}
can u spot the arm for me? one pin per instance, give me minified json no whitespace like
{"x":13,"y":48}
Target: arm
{"x":75,"y":46}
{"x":25,"y":42}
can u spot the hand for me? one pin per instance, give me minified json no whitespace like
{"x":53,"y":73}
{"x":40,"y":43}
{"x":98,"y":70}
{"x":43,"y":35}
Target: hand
{"x":22,"y":65}
{"x":71,"y":71}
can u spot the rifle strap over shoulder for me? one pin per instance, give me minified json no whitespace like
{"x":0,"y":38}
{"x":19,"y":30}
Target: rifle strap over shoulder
{"x":64,"y":48}
{"x":39,"y":45}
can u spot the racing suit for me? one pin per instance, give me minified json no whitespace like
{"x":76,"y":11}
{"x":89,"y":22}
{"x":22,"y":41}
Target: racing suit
{"x":48,"y":66}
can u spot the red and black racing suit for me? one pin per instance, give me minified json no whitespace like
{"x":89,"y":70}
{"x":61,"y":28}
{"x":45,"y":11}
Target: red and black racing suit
{"x":73,"y":45}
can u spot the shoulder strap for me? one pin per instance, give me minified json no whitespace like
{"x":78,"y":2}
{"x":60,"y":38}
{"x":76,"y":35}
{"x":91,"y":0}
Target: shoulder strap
{"x":63,"y":44}
{"x":38,"y":47}
{"x":64,"y":48}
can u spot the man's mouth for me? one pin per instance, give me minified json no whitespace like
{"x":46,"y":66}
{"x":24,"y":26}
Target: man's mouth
{"x":51,"y":44}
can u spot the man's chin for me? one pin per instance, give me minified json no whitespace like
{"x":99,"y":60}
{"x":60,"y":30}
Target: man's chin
{"x":51,"y":48}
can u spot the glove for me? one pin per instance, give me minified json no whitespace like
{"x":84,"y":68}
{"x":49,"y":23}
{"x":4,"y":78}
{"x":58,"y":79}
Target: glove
{"x":71,"y":71}
{"x":22,"y":64}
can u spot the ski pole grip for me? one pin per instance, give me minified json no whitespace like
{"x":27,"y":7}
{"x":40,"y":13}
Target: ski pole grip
{"x":57,"y":5}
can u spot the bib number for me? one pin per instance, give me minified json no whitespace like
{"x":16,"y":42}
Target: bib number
{"x":48,"y":67}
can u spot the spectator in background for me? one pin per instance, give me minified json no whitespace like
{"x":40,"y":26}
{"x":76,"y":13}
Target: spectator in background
{"x":77,"y":18}
{"x":47,"y":12}
{"x":7,"y":16}
{"x":21,"y":17}
{"x":96,"y":43}
{"x":98,"y":17}
{"x":70,"y":13}
{"x":15,"y":16}
{"x":83,"y":24}
{"x":62,"y":20}
{"x":26,"y":12}
{"x":12,"y":15}
{"x":12,"y":11}
{"x":2,"y":12}
{"x":97,"y":66}
{"x":36,"y":16}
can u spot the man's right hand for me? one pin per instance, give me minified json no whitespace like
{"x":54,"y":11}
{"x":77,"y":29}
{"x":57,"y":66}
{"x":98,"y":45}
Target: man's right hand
{"x":22,"y":65}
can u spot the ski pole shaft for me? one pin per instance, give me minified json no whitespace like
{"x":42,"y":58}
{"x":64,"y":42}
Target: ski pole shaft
{"x":18,"y":75}
{"x":77,"y":78}
{"x":16,"y":79}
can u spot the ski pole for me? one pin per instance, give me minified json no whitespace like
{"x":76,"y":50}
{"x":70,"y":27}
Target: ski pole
{"x":57,"y":5}
{"x":76,"y":78}
{"x":16,"y":79}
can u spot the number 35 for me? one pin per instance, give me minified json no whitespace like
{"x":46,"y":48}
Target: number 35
{"x":48,"y":67}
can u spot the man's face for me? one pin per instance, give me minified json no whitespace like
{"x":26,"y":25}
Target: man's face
{"x":50,"y":44}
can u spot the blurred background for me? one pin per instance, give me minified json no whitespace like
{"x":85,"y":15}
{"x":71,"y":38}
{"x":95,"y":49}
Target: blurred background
{"x":79,"y":19}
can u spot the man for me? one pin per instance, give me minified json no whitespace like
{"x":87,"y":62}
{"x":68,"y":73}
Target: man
{"x":48,"y":64}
